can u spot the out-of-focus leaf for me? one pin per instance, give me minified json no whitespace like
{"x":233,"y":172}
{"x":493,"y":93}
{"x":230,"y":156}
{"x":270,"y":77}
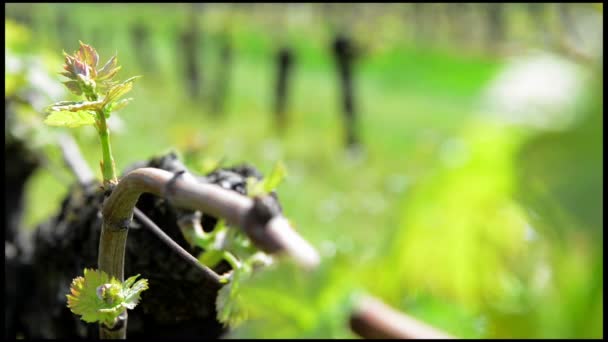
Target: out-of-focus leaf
{"x":265,"y":186}
{"x":561,"y":182}
{"x":74,"y":87}
{"x":282,"y":301}
{"x":88,"y":54}
{"x":75,"y":106}
{"x":70,"y":119}
{"x":108,"y":70}
{"x":255,"y":187}
{"x":119,"y":90}
{"x":208,"y":164}
{"x":210,"y":257}
{"x":462,"y":231}
{"x":238,"y":243}
{"x":68,"y":75}
{"x":228,"y":304}
{"x":17,"y":36}
{"x":276,"y":176}
{"x":599,"y":7}
{"x":116,"y":106}
{"x":75,"y":67}
{"x":566,"y":168}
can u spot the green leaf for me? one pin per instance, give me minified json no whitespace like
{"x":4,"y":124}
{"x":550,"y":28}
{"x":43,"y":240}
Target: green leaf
{"x":75,"y":67}
{"x":98,"y":298}
{"x":265,"y":186}
{"x":255,"y":187}
{"x":70,"y":119}
{"x":211,"y":257}
{"x":228,"y":306}
{"x":85,"y":301}
{"x":72,"y":86}
{"x":119,"y":90}
{"x":239,"y":244}
{"x":118,"y":105}
{"x":277,"y":175}
{"x":208,"y":165}
{"x":108,"y":70}
{"x":283,"y":301}
{"x":88,"y":54}
{"x":132,"y":291}
{"x":68,"y":75}
{"x":74,"y":106}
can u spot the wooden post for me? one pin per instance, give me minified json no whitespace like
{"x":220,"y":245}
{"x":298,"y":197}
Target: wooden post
{"x":537,"y":12}
{"x":345,"y":55}
{"x":285,"y":60}
{"x":223,"y":76}
{"x":567,"y":22}
{"x":495,"y":25}
{"x":459,"y":17}
{"x":189,"y":40}
{"x":141,"y":42}
{"x":64,"y":32}
{"x":421,"y":32}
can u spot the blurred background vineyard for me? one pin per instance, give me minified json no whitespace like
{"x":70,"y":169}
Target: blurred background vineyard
{"x":473,"y":199}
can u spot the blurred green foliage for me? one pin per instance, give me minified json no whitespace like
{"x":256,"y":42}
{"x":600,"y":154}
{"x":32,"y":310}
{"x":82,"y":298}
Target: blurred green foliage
{"x":478,"y":227}
{"x":284,"y":301}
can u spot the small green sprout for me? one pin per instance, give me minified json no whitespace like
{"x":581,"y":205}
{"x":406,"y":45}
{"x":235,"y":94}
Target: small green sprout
{"x":98,"y":298}
{"x":227,"y":304}
{"x":92,"y":83}
{"x":269,"y":183}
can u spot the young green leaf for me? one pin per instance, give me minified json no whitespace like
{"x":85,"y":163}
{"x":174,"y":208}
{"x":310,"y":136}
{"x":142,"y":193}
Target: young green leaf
{"x":119,"y":90}
{"x":268,"y":184}
{"x":118,"y":105}
{"x":74,"y":106}
{"x":74,"y":67}
{"x":255,"y":187}
{"x":70,"y":119}
{"x":85,"y":299}
{"x":73,"y":86}
{"x":285,"y":302}
{"x":132,"y":291}
{"x":108,"y":70}
{"x":228,"y":306}
{"x":98,"y":298}
{"x":239,"y":244}
{"x":88,"y":54}
{"x":277,"y":175}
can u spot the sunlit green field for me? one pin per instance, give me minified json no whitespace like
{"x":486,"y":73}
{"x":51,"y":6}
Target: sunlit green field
{"x":441,"y":240}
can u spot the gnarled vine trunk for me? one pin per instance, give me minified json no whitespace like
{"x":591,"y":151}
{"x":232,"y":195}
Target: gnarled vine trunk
{"x":178,"y":303}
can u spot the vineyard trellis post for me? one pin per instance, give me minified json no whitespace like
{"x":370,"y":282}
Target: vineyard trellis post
{"x":140,"y":36}
{"x":223,"y":75}
{"x":285,"y":58}
{"x":189,"y":40}
{"x":345,"y":54}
